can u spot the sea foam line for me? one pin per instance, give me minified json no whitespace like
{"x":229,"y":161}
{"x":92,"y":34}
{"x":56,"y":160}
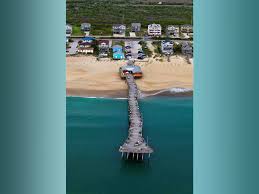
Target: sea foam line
{"x":175,"y":90}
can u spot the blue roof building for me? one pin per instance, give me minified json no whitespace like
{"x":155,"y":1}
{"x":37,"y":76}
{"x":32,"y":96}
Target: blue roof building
{"x":118,"y":52}
{"x":117,"y":48}
{"x":88,"y":39}
{"x":118,"y":55}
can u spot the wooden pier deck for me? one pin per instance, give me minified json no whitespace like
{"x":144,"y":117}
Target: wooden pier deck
{"x":135,"y":146}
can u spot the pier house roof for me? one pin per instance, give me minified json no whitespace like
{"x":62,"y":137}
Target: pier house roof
{"x":132,"y":68}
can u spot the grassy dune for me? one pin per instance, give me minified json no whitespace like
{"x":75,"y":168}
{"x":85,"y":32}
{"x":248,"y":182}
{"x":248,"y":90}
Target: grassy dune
{"x":103,"y":13}
{"x":138,"y":1}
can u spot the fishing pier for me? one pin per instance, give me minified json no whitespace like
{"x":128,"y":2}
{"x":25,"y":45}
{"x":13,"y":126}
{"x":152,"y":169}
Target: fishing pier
{"x":135,"y":147}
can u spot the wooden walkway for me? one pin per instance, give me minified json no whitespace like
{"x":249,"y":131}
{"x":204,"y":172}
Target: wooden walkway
{"x":135,"y":147}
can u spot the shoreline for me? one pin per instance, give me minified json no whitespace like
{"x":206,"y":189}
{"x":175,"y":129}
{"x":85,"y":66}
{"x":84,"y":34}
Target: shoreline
{"x":123,"y":94}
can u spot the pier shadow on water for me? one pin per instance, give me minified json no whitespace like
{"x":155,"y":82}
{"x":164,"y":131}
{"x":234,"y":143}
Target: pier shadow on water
{"x":143,"y":166}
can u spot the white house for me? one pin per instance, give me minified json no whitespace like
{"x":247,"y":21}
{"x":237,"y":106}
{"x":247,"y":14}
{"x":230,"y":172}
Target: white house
{"x":85,"y":27}
{"x":119,"y":29}
{"x":85,"y":50}
{"x":186,"y":28}
{"x":69,"y":30}
{"x":173,"y":30}
{"x":167,"y":47}
{"x":154,"y":30}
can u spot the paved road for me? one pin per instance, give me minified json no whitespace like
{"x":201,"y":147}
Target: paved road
{"x":73,"y":49}
{"x":135,"y":39}
{"x":138,"y":38}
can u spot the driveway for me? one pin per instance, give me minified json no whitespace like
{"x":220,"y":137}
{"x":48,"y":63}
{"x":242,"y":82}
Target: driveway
{"x":73,"y":49}
{"x":135,"y":46}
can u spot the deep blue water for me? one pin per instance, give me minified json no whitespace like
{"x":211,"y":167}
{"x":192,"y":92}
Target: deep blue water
{"x":97,"y":127}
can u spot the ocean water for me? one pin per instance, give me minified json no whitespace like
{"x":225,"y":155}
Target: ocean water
{"x":97,"y":127}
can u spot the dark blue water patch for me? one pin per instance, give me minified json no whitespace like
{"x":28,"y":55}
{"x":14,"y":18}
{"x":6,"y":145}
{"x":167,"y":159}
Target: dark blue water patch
{"x":97,"y":127}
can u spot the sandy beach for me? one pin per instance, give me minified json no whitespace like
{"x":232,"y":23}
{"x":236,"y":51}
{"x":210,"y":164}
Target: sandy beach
{"x":88,"y":77}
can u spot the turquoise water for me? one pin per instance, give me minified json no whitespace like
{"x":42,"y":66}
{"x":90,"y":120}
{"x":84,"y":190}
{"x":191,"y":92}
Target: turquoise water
{"x":97,"y":127}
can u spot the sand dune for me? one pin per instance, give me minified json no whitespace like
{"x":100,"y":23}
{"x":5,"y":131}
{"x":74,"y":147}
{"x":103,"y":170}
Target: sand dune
{"x":88,"y":77}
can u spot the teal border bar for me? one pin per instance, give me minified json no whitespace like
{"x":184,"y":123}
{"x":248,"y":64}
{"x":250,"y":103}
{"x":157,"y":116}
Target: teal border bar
{"x":33,"y":137}
{"x":226,"y":100}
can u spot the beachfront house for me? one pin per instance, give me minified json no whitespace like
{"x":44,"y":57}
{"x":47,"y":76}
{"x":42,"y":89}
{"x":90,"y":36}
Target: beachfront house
{"x":118,"y":52}
{"x":187,"y":28}
{"x":85,"y":44}
{"x":187,"y":49}
{"x":173,"y":30}
{"x":103,"y":48}
{"x":117,"y":48}
{"x":85,"y":50}
{"x":135,"y":27}
{"x":154,"y":30}
{"x":119,"y":29}
{"x":118,"y":56}
{"x":167,"y":47}
{"x":69,"y":30}
{"x":103,"y":43}
{"x":85,"y":27}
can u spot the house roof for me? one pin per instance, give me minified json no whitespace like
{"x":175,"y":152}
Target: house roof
{"x":85,"y":43}
{"x":88,"y":38}
{"x":119,"y":55}
{"x":117,"y":46}
{"x":156,"y":26}
{"x":136,"y":24}
{"x":167,"y":41}
{"x":119,"y":26}
{"x":103,"y":41}
{"x":131,"y":67}
{"x":172,"y":26}
{"x":68,"y":26}
{"x":85,"y":25}
{"x":186,"y":25}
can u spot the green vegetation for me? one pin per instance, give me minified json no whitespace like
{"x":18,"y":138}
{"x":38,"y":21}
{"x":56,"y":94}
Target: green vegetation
{"x":77,"y":31}
{"x":102,"y":14}
{"x":139,"y":2}
{"x":145,"y":49}
{"x":122,"y":43}
{"x":177,"y":48}
{"x":157,"y":46}
{"x":96,"y":49}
